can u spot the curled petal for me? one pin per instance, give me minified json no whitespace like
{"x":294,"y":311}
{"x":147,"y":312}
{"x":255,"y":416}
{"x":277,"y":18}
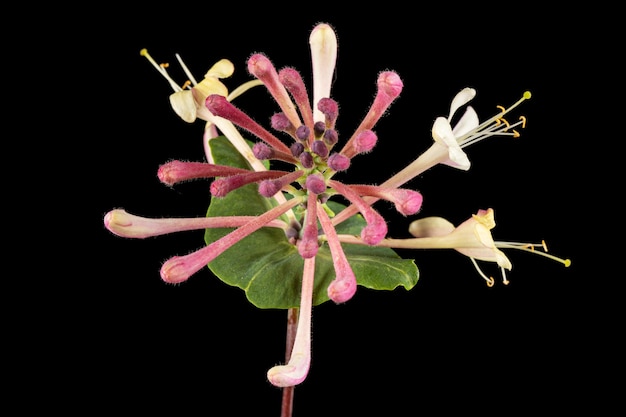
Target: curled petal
{"x":461,"y":98}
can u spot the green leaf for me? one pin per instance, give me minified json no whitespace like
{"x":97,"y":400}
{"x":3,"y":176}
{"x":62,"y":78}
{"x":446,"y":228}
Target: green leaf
{"x":269,"y":269}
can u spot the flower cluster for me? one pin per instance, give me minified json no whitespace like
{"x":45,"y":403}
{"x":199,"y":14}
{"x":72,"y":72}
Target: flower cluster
{"x":298,"y":197}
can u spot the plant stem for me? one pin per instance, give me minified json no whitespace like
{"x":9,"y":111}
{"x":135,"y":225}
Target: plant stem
{"x":292,"y":324}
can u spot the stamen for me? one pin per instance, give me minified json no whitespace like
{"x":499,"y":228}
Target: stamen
{"x":530,"y":247}
{"x":523,"y":119}
{"x":490,"y":281}
{"x":161,"y":69}
{"x":186,"y":70}
{"x":505,"y":281}
{"x":496,"y":125}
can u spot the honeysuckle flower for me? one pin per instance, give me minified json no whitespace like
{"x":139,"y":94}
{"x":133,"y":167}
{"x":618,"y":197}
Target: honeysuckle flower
{"x":472,"y":238}
{"x":300,"y":200}
{"x":188,"y":102}
{"x":449,"y":142}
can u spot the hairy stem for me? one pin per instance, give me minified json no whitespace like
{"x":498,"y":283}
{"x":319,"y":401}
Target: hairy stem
{"x":292,"y":325}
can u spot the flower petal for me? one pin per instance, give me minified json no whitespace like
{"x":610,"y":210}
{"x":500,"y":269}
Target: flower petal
{"x":323,"y":42}
{"x":221,"y":69}
{"x":468,"y":122}
{"x":462,"y":97}
{"x":430,"y":227}
{"x":442,"y":133}
{"x":184,"y":105}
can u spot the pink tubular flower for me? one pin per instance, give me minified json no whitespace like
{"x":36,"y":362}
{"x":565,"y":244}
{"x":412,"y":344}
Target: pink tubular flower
{"x":174,"y":172}
{"x":376,"y":228}
{"x":406,"y":201}
{"x":389,"y":88}
{"x":344,"y":285}
{"x":180,"y":268}
{"x":124,"y":224}
{"x":296,"y":370}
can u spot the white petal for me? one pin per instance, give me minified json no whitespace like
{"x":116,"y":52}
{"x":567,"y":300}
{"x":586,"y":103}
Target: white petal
{"x":184,"y":105}
{"x":221,"y":69}
{"x":460,"y":99}
{"x":323,"y":42}
{"x":442,"y":130}
{"x":430,"y":226}
{"x":467,"y":123}
{"x":442,"y":133}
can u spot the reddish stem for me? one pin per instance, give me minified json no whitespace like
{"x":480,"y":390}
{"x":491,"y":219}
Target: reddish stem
{"x":292,"y":324}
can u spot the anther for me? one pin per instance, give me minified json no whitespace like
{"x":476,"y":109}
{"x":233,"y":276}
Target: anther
{"x":523,"y":119}
{"x":505,"y":122}
{"x":516,"y":134}
{"x":502,"y":108}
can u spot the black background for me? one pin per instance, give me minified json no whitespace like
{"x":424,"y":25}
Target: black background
{"x":127,"y":341}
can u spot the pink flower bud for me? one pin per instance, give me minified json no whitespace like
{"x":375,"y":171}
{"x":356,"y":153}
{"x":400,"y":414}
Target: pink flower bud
{"x":319,"y":148}
{"x":292,"y":80}
{"x":390,"y":84}
{"x":315,"y":183}
{"x":365,"y":141}
{"x":407,"y":202}
{"x":281,"y":123}
{"x":261,"y":151}
{"x":262,"y":68}
{"x":375,"y":231}
{"x":342,"y":289}
{"x":174,"y":172}
{"x":338,"y":162}
{"x":330,"y":109}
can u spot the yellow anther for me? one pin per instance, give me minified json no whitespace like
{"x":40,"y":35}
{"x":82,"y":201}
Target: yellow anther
{"x":498,"y":121}
{"x":523,"y":119}
{"x":164,"y":65}
{"x":545,"y":247}
{"x":529,"y":247}
{"x":505,"y":122}
{"x":502,"y":109}
{"x":186,"y":84}
{"x":490,"y":282}
{"x":516,"y":134}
